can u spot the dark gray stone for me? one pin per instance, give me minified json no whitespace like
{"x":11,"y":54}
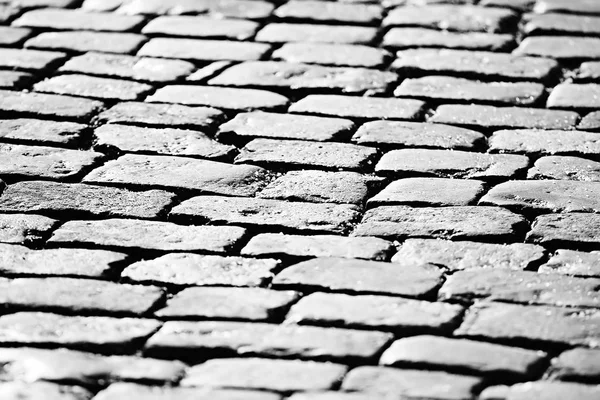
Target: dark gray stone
{"x":575,"y":229}
{"x":581,"y":365}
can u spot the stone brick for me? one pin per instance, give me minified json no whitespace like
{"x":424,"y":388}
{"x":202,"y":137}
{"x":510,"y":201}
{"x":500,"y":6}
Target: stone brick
{"x":402,"y":38}
{"x":330,"y":12}
{"x":40,"y":131}
{"x":135,"y":234}
{"x":574,"y":229}
{"x":576,"y":365}
{"x":339,"y":34}
{"x":269,"y":214}
{"x":489,"y":117}
{"x":11,"y":36}
{"x":44,"y":162}
{"x":587,"y":71}
{"x":569,"y":262}
{"x":575,"y":96}
{"x":398,"y":383}
{"x":552,"y":24}
{"x":417,"y":134}
{"x":201,"y":27}
{"x":279,"y":245}
{"x":201,"y":270}
{"x":264,"y":374}
{"x":31,"y":4}
{"x":119,"y":391}
{"x":78,"y":20}
{"x":565,"y":168}
{"x":29,"y":59}
{"x":335,"y":395}
{"x":477,"y":64}
{"x":360,"y":276}
{"x":468,"y":356}
{"x":14,"y":79}
{"x":401,"y":316}
{"x":451,"y":163}
{"x":428,"y":192}
{"x":359,"y":107}
{"x":42,"y":390}
{"x":83,"y":41}
{"x":94,"y":333}
{"x":255,"y":304}
{"x":47,"y":105}
{"x":122,"y":66}
{"x":518,"y":324}
{"x":90,"y":86}
{"x":179,"y":173}
{"x":295,"y":153}
{"x":561,"y":47}
{"x":203,"y":50}
{"x":19,"y":260}
{"x":446,"y":88}
{"x":23,"y":228}
{"x":463,"y":255}
{"x":285,"y":126}
{"x":545,"y":142}
{"x":456,"y":223}
{"x":219,"y":97}
{"x":176,"y":142}
{"x":266,"y":340}
{"x":550,"y":390}
{"x":338,"y":55}
{"x":577,"y":7}
{"x":590,"y":122}
{"x":275,"y":74}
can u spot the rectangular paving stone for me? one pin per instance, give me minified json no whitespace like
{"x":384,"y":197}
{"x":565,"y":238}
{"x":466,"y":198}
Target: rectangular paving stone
{"x":29,"y":59}
{"x":533,"y":141}
{"x":118,"y":391}
{"x":338,"y":34}
{"x":464,"y":254}
{"x":279,"y":245}
{"x":11,"y":36}
{"x":570,"y":262}
{"x":490,"y":117}
{"x":403,"y":38}
{"x":561,"y":47}
{"x":513,"y":323}
{"x":360,"y":277}
{"x":58,"y":19}
{"x":266,"y":340}
{"x":84,"y":41}
{"x":179,"y":173}
{"x":565,"y":168}
{"x":339,"y":55}
{"x":187,"y":269}
{"x":318,"y":11}
{"x":24,"y":228}
{"x":359,"y":107}
{"x":32,"y":4}
{"x":91,"y":86}
{"x":575,"y":96}
{"x":293,"y":76}
{"x":574,"y":229}
{"x":201,"y":27}
{"x":576,"y":7}
{"x":203,"y":50}
{"x":14,"y":79}
{"x":581,"y":365}
{"x":546,"y":389}
{"x":41,"y":132}
{"x":541,"y":24}
{"x":334,"y":395}
{"x":590,"y":122}
{"x":268,"y":214}
{"x":456,"y":223}
{"x":136,"y":234}
{"x":43,"y":390}
{"x":76,"y":199}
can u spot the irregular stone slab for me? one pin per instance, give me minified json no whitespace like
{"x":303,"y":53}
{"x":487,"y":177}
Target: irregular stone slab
{"x":263,"y":374}
{"x":29,"y":59}
{"x":228,"y":8}
{"x":428,"y":192}
{"x":545,"y":142}
{"x":360,"y":276}
{"x":417,"y":134}
{"x":23,"y":228}
{"x":42,"y":390}
{"x":576,"y":365}
{"x":135,"y":234}
{"x":456,"y":223}
{"x":575,"y":96}
{"x":78,"y":20}
{"x":201,"y":27}
{"x":94,"y":333}
{"x":463,"y":254}
{"x":477,"y":358}
{"x":562,"y":24}
{"x":180,"y":173}
{"x":565,"y":168}
{"x":401,"y":38}
{"x":401,"y":316}
{"x":219,"y":97}
{"x":82,"y":41}
{"x":571,"y":262}
{"x":587,"y":71}
{"x":550,"y":390}
{"x":269,"y":74}
{"x":83,"y":200}
{"x":451,"y":163}
{"x":577,"y":7}
{"x":330,"y":12}
{"x":359,"y":107}
{"x":279,"y":245}
{"x":177,"y":142}
{"x":266,"y":340}
{"x":199,"y":270}
{"x":10,"y":36}
{"x":590,"y":122}
{"x":513,"y":323}
{"x":255,"y":304}
{"x":271,"y":214}
{"x":338,"y":55}
{"x":40,"y":131}
{"x":47,"y":105}
{"x":44,"y":162}
{"x":118,"y":391}
{"x":490,"y":117}
{"x":284,"y":32}
{"x":479,"y":64}
{"x":567,"y":229}
{"x":285,"y":126}
{"x":204,"y":50}
{"x":411,"y":383}
{"x":14,"y":79}
{"x":561,"y":47}
{"x":122,"y":66}
{"x":333,"y":156}
{"x":19,"y":260}
{"x":89,"y":86}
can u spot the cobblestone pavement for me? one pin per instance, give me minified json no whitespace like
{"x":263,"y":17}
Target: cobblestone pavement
{"x":303,"y":200}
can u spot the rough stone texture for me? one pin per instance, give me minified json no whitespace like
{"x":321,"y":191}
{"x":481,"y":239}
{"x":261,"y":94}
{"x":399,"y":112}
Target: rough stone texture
{"x":561,"y":47}
{"x":574,"y":229}
{"x":338,"y":55}
{"x":590,"y":122}
{"x":562,"y":24}
{"x":47,"y":105}
{"x":29,"y":59}
{"x":576,"y":365}
{"x":203,"y":50}
{"x":575,"y":96}
{"x":285,"y":32}
{"x":42,"y":390}
{"x":23,"y":228}
{"x":119,"y":391}
{"x":89,"y":86}
{"x":39,"y":131}
{"x":335,"y":395}
{"x":330,"y":12}
{"x":82,"y":41}
{"x":577,"y":7}
{"x":565,"y":168}
{"x":545,"y":142}
{"x":571,"y":262}
{"x":402,"y":38}
{"x":552,"y":390}
{"x":200,"y":27}
{"x":77,"y":20}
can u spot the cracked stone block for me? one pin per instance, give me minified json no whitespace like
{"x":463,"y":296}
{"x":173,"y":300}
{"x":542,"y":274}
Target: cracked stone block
{"x":29,"y":59}
{"x":201,"y":27}
{"x":338,"y":55}
{"x":581,"y":365}
{"x":90,"y":86}
{"x":340,"y":13}
{"x":84,"y":41}
{"x":565,"y":48}
{"x":47,"y":105}
{"x":42,"y":390}
{"x":575,"y":229}
{"x":42,"y":132}
{"x":403,"y":38}
{"x":565,"y":168}
{"x":545,"y":142}
{"x":570,"y":262}
{"x":575,"y":96}
{"x":562,"y":24}
{"x":590,"y":122}
{"x":24,"y":228}
{"x":14,"y":79}
{"x":549,"y":390}
{"x":11,"y":36}
{"x":78,"y":20}
{"x":204,"y":50}
{"x":337,"y":34}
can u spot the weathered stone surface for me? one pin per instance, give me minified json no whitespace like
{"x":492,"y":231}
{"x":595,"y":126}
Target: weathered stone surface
{"x":565,"y":168}
{"x":428,"y":192}
{"x":205,"y":73}
{"x":264,"y":374}
{"x":79,"y":199}
{"x":11,"y":36}
{"x":29,"y":59}
{"x":463,"y":254}
{"x":201,"y":27}
{"x":587,"y":71}
{"x":552,"y":390}
{"x":402,"y":38}
{"x":545,"y":142}
{"x":83,"y":41}
{"x":90,"y":86}
{"x":78,"y":20}
{"x":14,"y":79}
{"x":575,"y":96}
{"x":282,"y":32}
{"x":23,"y":228}
{"x":401,"y":316}
{"x":119,"y":391}
{"x":540,"y":24}
{"x":330,"y":12}
{"x":577,"y":7}
{"x":280,"y":245}
{"x":200,"y":270}
{"x":574,"y":229}
{"x":42,"y":390}
{"x":359,"y":107}
{"x":335,"y":395}
{"x":360,"y":276}
{"x":560,"y":47}
{"x":40,"y":131}
{"x":338,"y":55}
{"x":203,"y":50}
{"x":180,"y":173}
{"x":590,"y":122}
{"x":540,"y":324}
{"x":47,"y":105}
{"x":571,"y":262}
{"x":576,"y":365}
{"x":269,"y":214}
{"x":465,"y":355}
{"x":457,"y":223}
